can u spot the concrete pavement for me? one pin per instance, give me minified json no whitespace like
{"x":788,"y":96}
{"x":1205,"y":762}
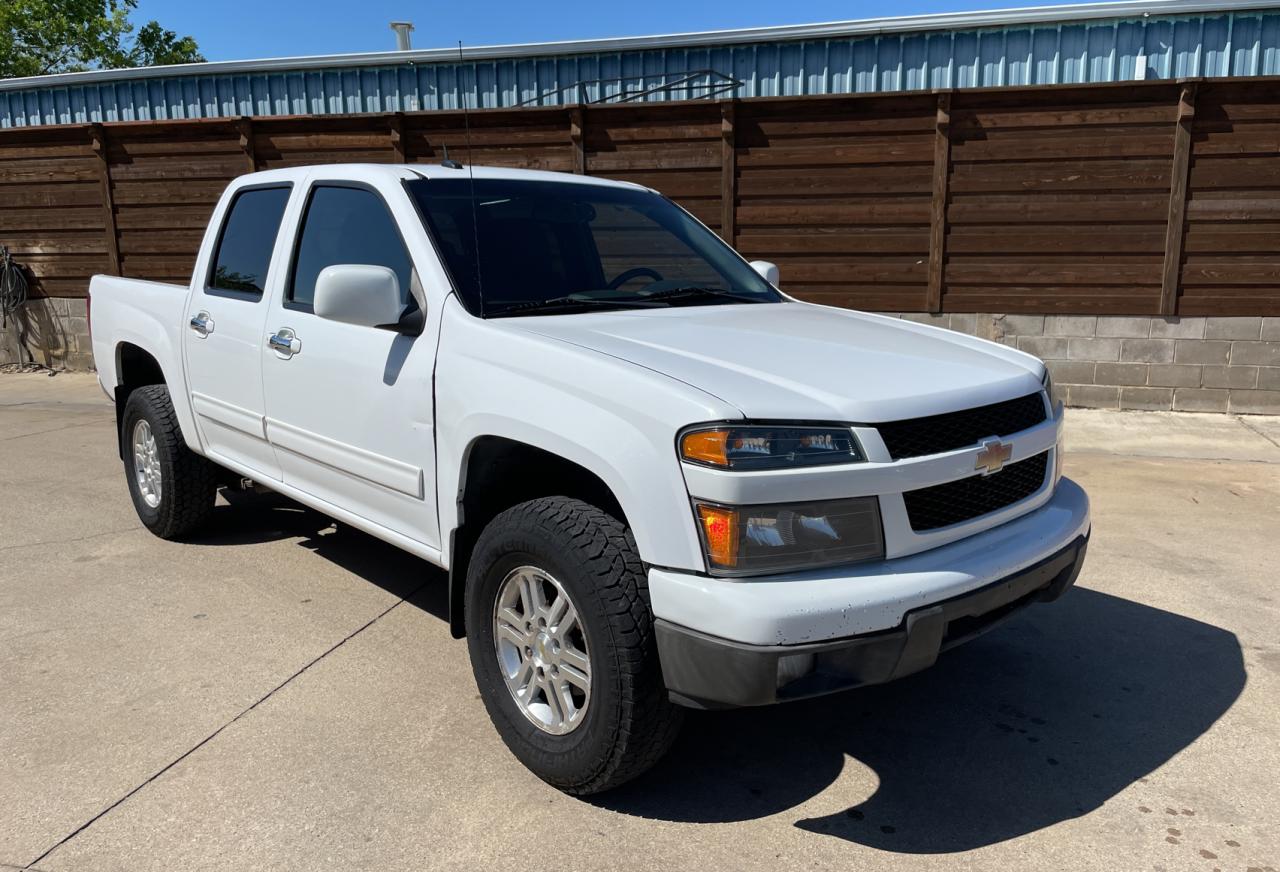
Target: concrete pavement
{"x":278,"y":694}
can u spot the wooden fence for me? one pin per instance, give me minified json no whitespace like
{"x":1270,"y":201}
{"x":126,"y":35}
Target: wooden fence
{"x":1133,"y":198}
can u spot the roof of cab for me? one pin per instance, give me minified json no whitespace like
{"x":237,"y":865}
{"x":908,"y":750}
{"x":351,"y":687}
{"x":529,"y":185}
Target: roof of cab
{"x":432,"y":171}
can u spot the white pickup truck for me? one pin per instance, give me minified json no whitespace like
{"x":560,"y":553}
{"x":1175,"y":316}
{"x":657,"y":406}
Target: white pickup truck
{"x":655,"y":480}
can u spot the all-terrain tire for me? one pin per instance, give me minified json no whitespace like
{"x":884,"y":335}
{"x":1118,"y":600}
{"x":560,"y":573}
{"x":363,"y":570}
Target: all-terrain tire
{"x":188,"y":482}
{"x":629,"y":722}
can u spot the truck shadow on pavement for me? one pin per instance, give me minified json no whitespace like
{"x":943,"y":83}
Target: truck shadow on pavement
{"x":254,"y":517}
{"x":1042,"y":720}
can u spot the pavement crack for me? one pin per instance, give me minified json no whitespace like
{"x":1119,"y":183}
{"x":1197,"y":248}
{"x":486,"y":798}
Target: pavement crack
{"x":1244,"y":422}
{"x":50,"y":430}
{"x":4,"y":548}
{"x":1205,"y":458}
{"x":209,"y":738}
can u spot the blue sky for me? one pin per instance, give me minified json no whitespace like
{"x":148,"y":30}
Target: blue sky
{"x":239,"y":29}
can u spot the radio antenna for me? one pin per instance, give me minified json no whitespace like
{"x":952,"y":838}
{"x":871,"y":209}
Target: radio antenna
{"x":471,"y":174}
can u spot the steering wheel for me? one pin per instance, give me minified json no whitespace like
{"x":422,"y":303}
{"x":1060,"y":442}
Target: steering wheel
{"x":634,"y":273}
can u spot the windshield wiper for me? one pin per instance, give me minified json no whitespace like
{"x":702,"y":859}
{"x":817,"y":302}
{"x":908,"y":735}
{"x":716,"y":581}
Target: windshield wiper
{"x":570,"y":302}
{"x":685,"y":291}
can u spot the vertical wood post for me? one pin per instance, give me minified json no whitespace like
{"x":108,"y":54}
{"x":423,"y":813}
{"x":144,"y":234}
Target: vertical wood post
{"x":577,"y":120}
{"x":728,"y":173}
{"x":98,"y":138}
{"x":245,"y":127}
{"x":938,"y":210}
{"x":1175,"y":229}
{"x":397,"y":138}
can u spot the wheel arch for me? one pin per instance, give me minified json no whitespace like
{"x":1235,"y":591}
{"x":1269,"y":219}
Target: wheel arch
{"x":498,"y":473}
{"x":135,"y":368}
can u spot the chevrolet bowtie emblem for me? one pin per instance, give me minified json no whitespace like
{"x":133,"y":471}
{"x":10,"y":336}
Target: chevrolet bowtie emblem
{"x":993,"y":456}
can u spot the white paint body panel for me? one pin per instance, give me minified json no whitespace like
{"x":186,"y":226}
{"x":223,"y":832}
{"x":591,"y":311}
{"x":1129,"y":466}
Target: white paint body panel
{"x":150,"y":315}
{"x":496,"y":377}
{"x":801,"y":362}
{"x":375,"y":427}
{"x":225,"y":385}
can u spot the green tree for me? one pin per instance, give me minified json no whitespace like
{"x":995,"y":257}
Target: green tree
{"x":59,"y":36}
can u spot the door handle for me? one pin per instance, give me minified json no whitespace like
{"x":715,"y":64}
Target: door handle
{"x":284,"y":343}
{"x":202,"y":324}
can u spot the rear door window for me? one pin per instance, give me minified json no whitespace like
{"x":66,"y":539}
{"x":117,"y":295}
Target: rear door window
{"x":248,"y":237}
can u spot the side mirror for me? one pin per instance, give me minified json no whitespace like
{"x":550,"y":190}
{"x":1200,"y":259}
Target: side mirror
{"x":769,"y":271}
{"x":357,"y":293}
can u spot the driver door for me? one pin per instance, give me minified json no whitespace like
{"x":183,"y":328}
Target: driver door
{"x":349,"y":407}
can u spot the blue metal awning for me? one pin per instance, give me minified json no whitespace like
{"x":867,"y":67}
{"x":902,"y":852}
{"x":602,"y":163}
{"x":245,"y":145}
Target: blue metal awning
{"x":1103,"y":42}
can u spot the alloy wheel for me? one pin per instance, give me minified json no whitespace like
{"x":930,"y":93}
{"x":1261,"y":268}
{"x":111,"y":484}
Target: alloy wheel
{"x":146,"y":463}
{"x":542,"y":650}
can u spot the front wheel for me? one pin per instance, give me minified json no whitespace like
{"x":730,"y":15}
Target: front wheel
{"x":172,"y":487}
{"x":561,"y":641}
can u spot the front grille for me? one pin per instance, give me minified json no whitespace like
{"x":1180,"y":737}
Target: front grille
{"x":938,"y":433}
{"x":955,"y":501}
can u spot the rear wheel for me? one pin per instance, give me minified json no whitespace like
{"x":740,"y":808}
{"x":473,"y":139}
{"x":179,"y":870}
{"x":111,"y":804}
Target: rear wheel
{"x":561,"y":641}
{"x":172,"y":487}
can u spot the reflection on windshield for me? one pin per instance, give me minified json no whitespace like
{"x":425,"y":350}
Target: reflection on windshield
{"x":522,"y":247}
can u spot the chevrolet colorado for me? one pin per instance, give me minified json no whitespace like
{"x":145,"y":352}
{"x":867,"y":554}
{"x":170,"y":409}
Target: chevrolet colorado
{"x":656,"y":481}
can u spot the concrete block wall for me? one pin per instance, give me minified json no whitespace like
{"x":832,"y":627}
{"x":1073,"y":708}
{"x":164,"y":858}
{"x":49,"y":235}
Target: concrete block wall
{"x":1228,"y":364}
{"x":51,"y":332}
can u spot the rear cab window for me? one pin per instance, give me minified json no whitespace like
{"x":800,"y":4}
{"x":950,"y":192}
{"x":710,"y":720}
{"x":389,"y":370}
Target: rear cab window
{"x":246,"y":241}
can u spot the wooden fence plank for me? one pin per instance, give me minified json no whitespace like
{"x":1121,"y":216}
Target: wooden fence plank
{"x":99,"y":140}
{"x":245,"y":127}
{"x":728,"y":173}
{"x":938,"y":208}
{"x":577,"y":120}
{"x":397,"y":138}
{"x":1175,"y":228}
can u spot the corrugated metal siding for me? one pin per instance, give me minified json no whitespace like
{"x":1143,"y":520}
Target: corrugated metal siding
{"x":1241,"y":43}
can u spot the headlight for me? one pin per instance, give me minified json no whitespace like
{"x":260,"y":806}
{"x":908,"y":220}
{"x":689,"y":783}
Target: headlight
{"x":1047,"y":381}
{"x":765,"y":447}
{"x":753,"y":540}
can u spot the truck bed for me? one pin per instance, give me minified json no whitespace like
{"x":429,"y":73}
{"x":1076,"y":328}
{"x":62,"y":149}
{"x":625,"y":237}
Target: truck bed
{"x":146,"y":314}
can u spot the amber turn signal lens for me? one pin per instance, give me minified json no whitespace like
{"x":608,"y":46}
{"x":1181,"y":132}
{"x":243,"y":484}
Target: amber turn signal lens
{"x":720,"y":533}
{"x":706,"y":446}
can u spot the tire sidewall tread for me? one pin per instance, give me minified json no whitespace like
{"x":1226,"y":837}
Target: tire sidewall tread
{"x":188,"y":484}
{"x":630,"y":722}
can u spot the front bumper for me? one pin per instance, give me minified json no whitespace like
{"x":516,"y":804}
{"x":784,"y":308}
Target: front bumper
{"x":837,"y":602}
{"x":703,"y":671}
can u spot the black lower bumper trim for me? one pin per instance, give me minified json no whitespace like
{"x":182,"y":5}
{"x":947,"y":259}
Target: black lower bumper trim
{"x":703,"y":671}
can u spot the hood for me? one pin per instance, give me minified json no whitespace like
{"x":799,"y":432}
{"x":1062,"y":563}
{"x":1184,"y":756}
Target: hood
{"x":798,"y":361}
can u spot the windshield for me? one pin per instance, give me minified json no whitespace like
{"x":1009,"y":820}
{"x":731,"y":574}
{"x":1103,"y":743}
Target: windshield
{"x":560,"y":247}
